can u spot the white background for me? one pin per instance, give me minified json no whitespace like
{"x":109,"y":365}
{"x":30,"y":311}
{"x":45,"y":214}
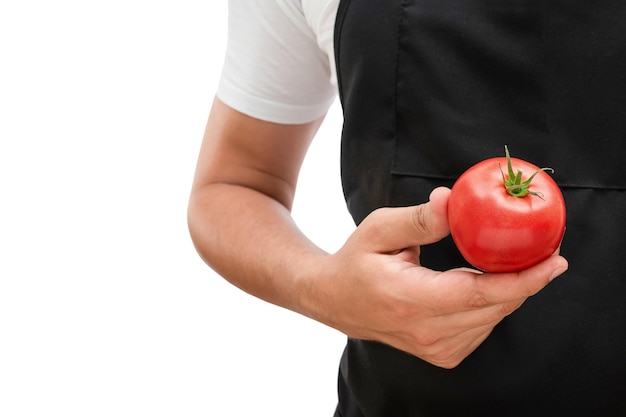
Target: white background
{"x":105,"y":308}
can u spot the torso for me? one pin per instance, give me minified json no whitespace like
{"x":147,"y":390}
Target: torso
{"x":431,"y":87}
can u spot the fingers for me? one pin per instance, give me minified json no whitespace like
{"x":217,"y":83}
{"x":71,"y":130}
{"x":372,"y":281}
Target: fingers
{"x":446,"y":352}
{"x":464,"y":290}
{"x":451,"y":352}
{"x":475,"y":304}
{"x":392,"y":229}
{"x":499,"y":288}
{"x":438,"y":316}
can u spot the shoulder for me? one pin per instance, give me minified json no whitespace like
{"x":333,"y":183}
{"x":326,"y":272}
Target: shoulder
{"x":279,"y":63}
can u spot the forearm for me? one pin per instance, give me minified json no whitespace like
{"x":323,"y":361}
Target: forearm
{"x":251,"y":240}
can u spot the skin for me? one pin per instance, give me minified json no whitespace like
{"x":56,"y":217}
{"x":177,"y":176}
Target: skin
{"x":373,"y":288}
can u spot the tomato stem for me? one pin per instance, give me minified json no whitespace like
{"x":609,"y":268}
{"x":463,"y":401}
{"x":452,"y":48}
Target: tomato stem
{"x":514,"y":184}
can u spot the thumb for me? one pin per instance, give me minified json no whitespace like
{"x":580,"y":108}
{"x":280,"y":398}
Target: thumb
{"x":392,"y":229}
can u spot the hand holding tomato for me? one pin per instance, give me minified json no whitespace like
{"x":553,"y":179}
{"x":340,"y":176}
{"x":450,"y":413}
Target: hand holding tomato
{"x":506,"y":222}
{"x":375,"y":288}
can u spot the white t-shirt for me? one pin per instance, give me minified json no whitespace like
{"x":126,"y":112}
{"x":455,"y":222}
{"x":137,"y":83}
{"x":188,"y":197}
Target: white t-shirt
{"x":279,"y":64}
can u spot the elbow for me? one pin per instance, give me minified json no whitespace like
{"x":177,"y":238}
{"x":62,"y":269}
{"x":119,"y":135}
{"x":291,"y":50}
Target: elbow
{"x":197,"y":226}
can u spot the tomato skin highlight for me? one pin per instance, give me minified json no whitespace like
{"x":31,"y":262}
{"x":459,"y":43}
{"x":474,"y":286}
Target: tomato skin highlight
{"x":497,"y":232}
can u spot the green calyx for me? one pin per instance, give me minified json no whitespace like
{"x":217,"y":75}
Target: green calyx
{"x":514,"y":184}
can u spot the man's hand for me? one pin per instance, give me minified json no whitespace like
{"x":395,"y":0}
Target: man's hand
{"x":376,"y":288}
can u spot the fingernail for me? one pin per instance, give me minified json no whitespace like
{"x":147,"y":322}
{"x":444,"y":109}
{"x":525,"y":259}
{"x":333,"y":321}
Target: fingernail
{"x":557,"y":272}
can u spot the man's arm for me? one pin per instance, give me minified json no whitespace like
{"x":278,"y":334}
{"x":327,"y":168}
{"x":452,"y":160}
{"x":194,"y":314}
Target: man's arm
{"x":374,"y":287}
{"x":239,"y":210}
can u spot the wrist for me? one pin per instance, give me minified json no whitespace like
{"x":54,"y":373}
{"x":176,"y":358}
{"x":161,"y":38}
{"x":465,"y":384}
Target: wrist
{"x":311,"y":285}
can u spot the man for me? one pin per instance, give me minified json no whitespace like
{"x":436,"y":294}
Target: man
{"x":428,"y":88}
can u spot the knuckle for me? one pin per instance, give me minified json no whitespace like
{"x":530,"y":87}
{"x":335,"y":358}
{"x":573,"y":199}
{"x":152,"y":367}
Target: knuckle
{"x":506,"y":309}
{"x":430,"y":338}
{"x":418,"y":219}
{"x":451,"y":364}
{"x":376,"y":216}
{"x":446,"y":359}
{"x":477,"y":300}
{"x":425,"y":339}
{"x":375,"y":223}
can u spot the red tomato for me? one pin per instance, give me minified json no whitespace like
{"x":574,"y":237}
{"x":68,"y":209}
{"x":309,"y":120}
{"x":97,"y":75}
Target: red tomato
{"x":497,"y":231}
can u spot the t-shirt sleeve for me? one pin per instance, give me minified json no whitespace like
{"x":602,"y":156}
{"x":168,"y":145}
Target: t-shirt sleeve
{"x":274,"y":68}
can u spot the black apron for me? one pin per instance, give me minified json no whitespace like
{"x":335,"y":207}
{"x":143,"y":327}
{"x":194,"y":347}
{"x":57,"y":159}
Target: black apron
{"x":430,"y":87}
